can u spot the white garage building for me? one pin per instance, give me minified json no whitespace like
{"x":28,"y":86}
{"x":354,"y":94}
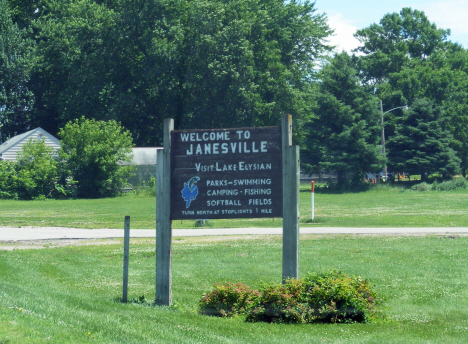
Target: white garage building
{"x":10,"y":148}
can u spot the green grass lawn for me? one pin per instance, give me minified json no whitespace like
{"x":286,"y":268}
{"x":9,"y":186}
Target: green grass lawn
{"x":389,"y":207}
{"x":68,"y":294}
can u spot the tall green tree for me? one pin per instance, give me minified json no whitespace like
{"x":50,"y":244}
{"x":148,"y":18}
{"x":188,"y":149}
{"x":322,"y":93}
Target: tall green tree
{"x":203,"y":63}
{"x":407,"y":58}
{"x":16,"y":100}
{"x":245,"y":63}
{"x":421,"y":144}
{"x":25,"y":12}
{"x":344,"y":137}
{"x":443,"y":79}
{"x":72,"y":66}
{"x":399,"y":38}
{"x":455,"y":105}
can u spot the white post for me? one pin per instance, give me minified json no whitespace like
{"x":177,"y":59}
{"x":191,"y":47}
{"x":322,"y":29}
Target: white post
{"x":313,"y":201}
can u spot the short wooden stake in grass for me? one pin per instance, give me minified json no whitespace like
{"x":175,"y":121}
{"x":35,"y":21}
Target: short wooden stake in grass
{"x":312,"y":199}
{"x":125,"y":260}
{"x":290,"y":202}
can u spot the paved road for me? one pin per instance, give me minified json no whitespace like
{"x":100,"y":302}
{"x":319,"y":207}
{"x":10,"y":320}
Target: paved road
{"x":42,"y":233}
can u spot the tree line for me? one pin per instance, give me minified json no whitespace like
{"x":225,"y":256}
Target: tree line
{"x":219,"y":63}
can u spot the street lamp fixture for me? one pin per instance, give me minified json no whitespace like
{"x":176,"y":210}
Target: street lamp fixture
{"x":383,"y":131}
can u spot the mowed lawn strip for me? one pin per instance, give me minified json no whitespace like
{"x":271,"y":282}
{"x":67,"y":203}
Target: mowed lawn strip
{"x":380,"y":207}
{"x":70,"y":294}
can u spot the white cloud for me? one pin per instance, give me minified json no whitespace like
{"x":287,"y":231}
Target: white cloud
{"x":343,"y":37}
{"x":446,"y":14}
{"x":451,"y":14}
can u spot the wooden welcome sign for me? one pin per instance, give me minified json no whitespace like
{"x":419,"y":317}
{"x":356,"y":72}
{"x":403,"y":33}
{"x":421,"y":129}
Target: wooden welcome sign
{"x":221,"y":174}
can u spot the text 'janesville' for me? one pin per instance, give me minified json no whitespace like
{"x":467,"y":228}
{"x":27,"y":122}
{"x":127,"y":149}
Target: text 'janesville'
{"x":224,"y":147}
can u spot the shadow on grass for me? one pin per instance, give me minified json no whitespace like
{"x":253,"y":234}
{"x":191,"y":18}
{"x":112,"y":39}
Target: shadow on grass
{"x":143,"y":301}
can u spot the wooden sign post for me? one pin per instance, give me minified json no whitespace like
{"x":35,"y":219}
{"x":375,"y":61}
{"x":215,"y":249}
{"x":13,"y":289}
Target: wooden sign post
{"x":290,"y":202}
{"x":163,"y":220}
{"x":226,"y":173}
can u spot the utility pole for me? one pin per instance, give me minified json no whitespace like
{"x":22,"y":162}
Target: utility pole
{"x":383,"y":132}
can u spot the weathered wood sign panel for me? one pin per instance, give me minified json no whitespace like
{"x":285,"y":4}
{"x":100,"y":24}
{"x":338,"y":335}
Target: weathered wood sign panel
{"x":226,"y":173}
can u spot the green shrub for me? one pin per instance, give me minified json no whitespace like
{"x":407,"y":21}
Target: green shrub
{"x":458,"y":183}
{"x":228,"y":300}
{"x":38,"y":170}
{"x":451,"y":185}
{"x":331,"y":297}
{"x":93,"y":152}
{"x":8,"y":179}
{"x":284,"y":304}
{"x":422,"y":187}
{"x":37,"y":175}
{"x":144,"y":189}
{"x":340,"y":298}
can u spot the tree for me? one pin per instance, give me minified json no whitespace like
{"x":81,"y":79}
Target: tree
{"x":8,"y":179}
{"x":16,"y":100}
{"x":443,"y":79}
{"x":455,"y":106}
{"x":399,"y":38}
{"x":421,"y":144}
{"x":244,"y":63}
{"x":93,"y":152}
{"x":407,"y":58}
{"x":211,"y":63}
{"x":72,"y":68}
{"x":345,"y":135}
{"x":25,"y":12}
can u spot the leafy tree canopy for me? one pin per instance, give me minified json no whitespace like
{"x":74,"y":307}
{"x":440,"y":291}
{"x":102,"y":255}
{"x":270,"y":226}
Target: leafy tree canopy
{"x":204,"y":63}
{"x":345,"y":135}
{"x":406,"y":57}
{"x":421,"y":144}
{"x":388,"y":46}
{"x":16,"y":99}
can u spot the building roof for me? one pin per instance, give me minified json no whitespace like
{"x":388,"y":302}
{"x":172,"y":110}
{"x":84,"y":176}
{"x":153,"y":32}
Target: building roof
{"x":10,"y":148}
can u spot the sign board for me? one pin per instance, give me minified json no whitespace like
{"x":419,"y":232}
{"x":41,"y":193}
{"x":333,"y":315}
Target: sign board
{"x":226,"y":173}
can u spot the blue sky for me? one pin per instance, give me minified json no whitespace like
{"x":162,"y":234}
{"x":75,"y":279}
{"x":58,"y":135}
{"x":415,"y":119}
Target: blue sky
{"x":347,"y":16}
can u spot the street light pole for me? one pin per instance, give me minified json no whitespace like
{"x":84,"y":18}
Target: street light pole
{"x":383,"y":132}
{"x":383,"y":140}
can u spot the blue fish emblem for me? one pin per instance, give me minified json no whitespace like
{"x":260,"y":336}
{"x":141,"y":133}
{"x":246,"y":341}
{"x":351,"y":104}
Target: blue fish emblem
{"x":190,"y":191}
